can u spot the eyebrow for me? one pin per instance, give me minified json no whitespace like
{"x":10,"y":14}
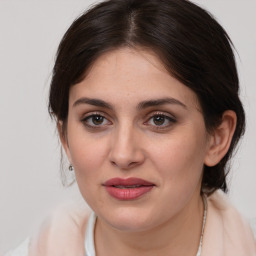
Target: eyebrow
{"x":141,"y":105}
{"x":159,"y":102}
{"x":94,"y":102}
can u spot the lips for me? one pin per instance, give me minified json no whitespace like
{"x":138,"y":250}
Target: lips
{"x":127,"y":189}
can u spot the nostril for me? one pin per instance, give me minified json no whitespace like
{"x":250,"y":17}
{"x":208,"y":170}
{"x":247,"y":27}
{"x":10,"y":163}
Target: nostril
{"x":124,"y":166}
{"x":132,"y":164}
{"x":113,"y":163}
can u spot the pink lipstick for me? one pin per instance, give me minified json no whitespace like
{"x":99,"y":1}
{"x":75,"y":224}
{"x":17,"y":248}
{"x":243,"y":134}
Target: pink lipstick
{"x":127,"y":189}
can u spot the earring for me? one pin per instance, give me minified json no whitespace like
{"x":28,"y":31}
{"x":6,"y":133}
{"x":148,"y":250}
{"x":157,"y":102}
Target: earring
{"x":71,"y":168}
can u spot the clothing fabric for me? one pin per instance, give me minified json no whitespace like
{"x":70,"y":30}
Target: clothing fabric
{"x":21,"y":250}
{"x":226,"y":231}
{"x":70,"y":232}
{"x":253,"y":226}
{"x":89,"y":236}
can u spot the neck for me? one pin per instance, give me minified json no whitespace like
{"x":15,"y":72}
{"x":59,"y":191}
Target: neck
{"x":178,"y":236}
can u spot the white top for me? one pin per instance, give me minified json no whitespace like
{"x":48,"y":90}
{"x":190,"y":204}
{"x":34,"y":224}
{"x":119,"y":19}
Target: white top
{"x":89,"y":236}
{"x":21,"y":250}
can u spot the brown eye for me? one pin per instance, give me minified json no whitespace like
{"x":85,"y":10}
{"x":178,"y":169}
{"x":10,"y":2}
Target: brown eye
{"x":95,"y":120}
{"x":159,"y":120}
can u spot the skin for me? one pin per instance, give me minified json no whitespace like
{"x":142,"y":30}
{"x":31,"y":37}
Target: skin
{"x":166,"y":144}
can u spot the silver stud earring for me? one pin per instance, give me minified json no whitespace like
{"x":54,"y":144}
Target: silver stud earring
{"x":71,"y":168}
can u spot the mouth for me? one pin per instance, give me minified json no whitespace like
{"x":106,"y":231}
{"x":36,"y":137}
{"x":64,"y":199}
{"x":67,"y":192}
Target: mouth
{"x":128,"y":189}
{"x":125,"y":187}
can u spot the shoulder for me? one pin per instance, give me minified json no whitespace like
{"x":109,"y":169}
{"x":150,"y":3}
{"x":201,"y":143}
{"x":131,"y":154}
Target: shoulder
{"x":62,"y":232}
{"x":230,"y":216}
{"x":229,"y":227}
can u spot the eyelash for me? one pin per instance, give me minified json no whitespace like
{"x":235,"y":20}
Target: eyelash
{"x":88,"y":121}
{"x":89,"y":118}
{"x":167,"y":118}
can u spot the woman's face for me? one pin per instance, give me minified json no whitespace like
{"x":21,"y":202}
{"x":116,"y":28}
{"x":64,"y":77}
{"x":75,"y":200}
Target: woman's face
{"x":137,"y":140}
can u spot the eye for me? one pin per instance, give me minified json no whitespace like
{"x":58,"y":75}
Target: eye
{"x":95,"y":120}
{"x":161,"y":120}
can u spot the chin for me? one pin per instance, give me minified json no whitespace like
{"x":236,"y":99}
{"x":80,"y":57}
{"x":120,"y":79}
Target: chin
{"x":128,"y":219}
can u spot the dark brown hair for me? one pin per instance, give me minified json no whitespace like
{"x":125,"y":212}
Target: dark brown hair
{"x":192,"y":45}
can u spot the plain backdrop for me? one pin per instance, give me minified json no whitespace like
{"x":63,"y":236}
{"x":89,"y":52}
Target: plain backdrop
{"x":30,"y":183}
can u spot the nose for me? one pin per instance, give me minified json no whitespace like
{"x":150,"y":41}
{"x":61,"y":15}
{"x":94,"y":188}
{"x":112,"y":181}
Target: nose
{"x":126,"y":148}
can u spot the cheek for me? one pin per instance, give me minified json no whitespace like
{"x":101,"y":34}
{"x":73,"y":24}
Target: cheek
{"x":180,"y":163}
{"x":87,"y":157}
{"x":88,"y":160}
{"x":181,"y":157}
{"x":87,"y":152}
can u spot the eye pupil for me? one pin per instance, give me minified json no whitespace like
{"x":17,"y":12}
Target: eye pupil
{"x":97,"y":120}
{"x":159,"y":120}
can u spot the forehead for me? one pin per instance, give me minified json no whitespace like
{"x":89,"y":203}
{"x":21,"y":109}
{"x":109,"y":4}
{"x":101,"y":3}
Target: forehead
{"x":137,"y":74}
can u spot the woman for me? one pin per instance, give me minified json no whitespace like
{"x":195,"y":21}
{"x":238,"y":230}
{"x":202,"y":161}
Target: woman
{"x":145,"y":97}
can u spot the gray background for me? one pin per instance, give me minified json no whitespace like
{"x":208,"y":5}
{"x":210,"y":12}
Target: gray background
{"x":30,"y":182}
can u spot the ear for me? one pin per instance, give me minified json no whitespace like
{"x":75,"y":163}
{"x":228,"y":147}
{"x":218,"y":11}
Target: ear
{"x":64,"y":138}
{"x":220,"y":139}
